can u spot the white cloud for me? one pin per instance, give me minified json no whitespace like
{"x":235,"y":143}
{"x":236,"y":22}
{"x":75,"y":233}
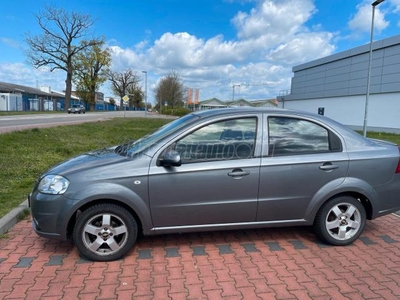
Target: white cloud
{"x":396,"y":4}
{"x":271,"y":38}
{"x":304,"y":47}
{"x":20,"y":73}
{"x":124,"y":58}
{"x":361,"y":21}
{"x":276,"y":19}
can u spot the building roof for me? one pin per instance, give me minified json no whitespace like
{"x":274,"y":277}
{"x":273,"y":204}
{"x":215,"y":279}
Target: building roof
{"x":213,"y":102}
{"x":381,"y":44}
{"x":21,"y":89}
{"x":15,"y":88}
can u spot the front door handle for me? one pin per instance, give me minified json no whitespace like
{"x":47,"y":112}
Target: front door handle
{"x":238,"y":173}
{"x":328,"y":167}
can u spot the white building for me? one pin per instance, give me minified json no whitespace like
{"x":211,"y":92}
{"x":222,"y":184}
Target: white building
{"x":337,"y":86}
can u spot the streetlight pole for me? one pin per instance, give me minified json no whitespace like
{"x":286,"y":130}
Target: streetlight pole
{"x":233,"y":90}
{"x":374,"y":4}
{"x":145,"y":93}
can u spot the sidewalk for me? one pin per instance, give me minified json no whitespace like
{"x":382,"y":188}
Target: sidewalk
{"x":10,"y":219}
{"x":284,"y":263}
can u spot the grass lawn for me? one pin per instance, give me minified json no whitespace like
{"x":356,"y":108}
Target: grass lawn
{"x":26,"y":154}
{"x":394,"y":138}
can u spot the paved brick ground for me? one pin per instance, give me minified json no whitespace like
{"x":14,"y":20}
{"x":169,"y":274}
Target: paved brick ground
{"x":252,"y":264}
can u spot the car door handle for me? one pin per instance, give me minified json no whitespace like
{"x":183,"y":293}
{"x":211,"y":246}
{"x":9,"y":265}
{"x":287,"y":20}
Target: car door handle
{"x":238,"y":173}
{"x":328,"y":167}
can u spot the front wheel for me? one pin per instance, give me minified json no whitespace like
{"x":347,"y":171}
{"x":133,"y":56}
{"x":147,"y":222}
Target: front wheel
{"x":105,"y":232}
{"x":340,"y":221}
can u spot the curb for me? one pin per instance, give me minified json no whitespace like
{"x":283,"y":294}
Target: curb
{"x":10,"y":219}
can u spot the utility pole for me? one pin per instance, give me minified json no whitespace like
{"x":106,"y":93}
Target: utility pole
{"x":145,"y":94}
{"x":233,"y":90}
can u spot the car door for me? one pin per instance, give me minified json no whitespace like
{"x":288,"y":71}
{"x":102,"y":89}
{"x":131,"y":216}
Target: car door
{"x":302,"y":159}
{"x":218,"y":180}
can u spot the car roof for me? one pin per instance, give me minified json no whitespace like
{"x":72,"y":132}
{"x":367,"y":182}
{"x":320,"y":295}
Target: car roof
{"x":345,"y":131}
{"x":263,"y":110}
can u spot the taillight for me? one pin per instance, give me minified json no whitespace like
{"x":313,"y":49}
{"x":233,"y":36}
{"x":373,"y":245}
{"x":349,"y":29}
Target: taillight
{"x":398,"y":164}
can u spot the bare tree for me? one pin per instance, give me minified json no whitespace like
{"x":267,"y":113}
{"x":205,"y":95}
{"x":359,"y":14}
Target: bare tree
{"x":63,"y":37}
{"x":170,"y":89}
{"x":89,"y":73}
{"x":122,"y":81}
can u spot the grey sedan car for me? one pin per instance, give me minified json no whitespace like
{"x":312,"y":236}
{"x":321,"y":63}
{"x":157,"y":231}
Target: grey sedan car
{"x":217,"y":170}
{"x":76,"y":108}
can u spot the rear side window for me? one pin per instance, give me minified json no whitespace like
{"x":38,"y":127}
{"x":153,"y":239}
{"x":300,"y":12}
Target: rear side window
{"x":292,"y":136}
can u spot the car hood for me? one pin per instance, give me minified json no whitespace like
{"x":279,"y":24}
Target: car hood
{"x":86,"y":161}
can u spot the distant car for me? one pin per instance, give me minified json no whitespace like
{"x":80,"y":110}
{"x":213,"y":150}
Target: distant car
{"x":216,"y":170}
{"x":76,"y":108}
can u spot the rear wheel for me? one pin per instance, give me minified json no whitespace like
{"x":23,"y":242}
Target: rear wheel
{"x":105,"y":232}
{"x":340,"y":221}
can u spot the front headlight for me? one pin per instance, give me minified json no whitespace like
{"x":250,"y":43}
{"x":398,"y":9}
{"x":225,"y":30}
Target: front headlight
{"x":53,"y":184}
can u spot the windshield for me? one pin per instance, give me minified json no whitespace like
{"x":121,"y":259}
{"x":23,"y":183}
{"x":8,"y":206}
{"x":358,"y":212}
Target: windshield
{"x":132,"y":148}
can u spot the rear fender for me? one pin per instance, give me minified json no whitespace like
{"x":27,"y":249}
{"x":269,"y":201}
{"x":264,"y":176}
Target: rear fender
{"x":349,"y":185}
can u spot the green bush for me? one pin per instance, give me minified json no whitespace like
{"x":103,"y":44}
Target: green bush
{"x":179,"y":112}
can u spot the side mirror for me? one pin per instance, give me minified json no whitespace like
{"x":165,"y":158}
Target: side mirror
{"x":171,"y":159}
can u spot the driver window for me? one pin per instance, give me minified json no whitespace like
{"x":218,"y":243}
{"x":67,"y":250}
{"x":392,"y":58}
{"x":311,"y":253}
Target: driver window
{"x":224,"y":140}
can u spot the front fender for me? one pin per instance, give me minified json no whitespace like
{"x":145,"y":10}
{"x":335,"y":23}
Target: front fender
{"x":116,"y":193}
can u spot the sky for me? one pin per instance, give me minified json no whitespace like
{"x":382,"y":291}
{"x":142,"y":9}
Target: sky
{"x":227,"y":49}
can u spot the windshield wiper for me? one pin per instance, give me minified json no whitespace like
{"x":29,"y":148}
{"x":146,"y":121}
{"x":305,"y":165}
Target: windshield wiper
{"x":123,"y":148}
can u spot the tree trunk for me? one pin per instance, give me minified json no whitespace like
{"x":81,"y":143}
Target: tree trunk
{"x":68,"y":89}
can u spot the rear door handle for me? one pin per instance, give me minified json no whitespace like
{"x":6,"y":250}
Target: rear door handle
{"x":328,"y":167}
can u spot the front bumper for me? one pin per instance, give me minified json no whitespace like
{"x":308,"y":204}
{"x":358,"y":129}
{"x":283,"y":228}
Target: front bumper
{"x":50,"y":215}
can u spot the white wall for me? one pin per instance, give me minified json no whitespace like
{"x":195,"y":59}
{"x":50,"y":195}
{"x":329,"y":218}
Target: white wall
{"x":383,"y":110}
{"x":4,"y":100}
{"x":10,"y":102}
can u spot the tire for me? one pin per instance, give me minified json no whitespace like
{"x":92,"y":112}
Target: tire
{"x":105,"y":232}
{"x":340,"y":221}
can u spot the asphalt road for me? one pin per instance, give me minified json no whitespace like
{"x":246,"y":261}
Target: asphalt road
{"x":21,"y":122}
